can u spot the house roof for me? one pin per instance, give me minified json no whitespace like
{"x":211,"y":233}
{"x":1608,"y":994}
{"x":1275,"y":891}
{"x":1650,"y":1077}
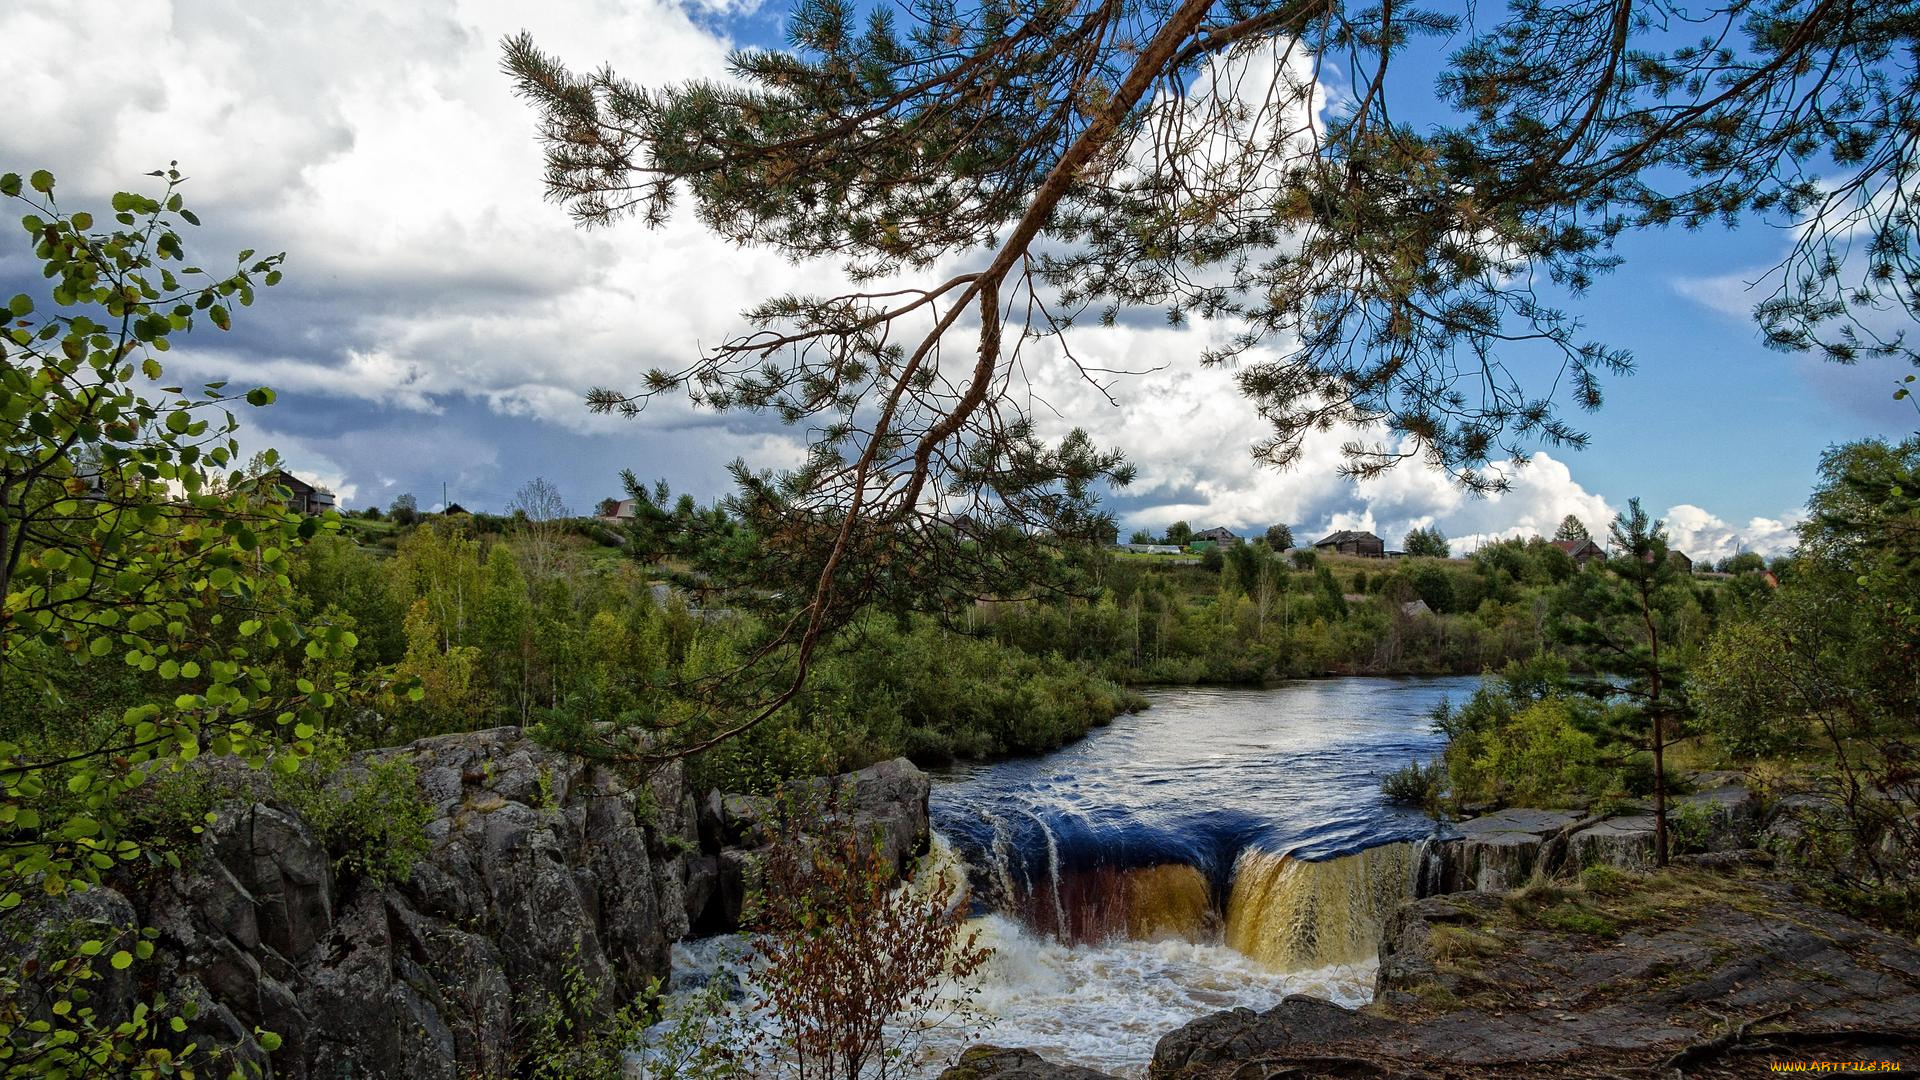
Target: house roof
{"x":1345,"y":535}
{"x":1218,"y":532}
{"x":1575,"y":547}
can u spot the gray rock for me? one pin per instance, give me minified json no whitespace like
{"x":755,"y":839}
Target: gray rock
{"x":1492,"y":852}
{"x":998,"y":1063}
{"x":1625,"y":842}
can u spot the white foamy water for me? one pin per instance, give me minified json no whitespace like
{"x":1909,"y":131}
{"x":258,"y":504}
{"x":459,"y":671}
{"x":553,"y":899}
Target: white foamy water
{"x":1104,"y":1006}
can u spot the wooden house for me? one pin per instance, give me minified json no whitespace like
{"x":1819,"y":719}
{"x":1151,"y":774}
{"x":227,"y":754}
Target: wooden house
{"x":1347,"y":542}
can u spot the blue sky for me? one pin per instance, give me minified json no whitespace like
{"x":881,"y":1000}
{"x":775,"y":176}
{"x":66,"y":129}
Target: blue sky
{"x":439,"y":322}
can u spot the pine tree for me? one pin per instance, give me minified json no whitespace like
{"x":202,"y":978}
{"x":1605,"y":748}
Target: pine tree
{"x":1571,"y":528}
{"x":1621,"y":624}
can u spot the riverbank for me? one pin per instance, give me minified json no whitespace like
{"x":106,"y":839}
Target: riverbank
{"x":1568,"y":958}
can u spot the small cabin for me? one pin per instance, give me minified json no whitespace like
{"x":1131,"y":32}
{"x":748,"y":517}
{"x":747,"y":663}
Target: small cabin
{"x":1347,"y":542}
{"x":305,"y":498}
{"x":1583,"y":550}
{"x":1216,"y":535}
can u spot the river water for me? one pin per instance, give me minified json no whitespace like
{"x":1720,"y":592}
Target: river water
{"x":1226,"y":847}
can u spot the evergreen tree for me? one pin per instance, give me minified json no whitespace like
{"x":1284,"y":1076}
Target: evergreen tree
{"x":1622,"y":625}
{"x":1571,"y":528}
{"x":1429,"y":543}
{"x":1078,"y":161}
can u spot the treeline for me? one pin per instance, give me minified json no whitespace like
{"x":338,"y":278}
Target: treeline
{"x":1251,"y":614}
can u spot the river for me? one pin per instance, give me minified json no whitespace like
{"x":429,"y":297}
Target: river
{"x":1226,"y":847}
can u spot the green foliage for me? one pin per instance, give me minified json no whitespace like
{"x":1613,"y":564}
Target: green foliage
{"x":1279,"y":537}
{"x":573,"y":1037}
{"x":1571,"y":528}
{"x":921,"y":691}
{"x":369,"y":813}
{"x":1524,"y":737}
{"x":1423,"y":786}
{"x":1427,"y":542}
{"x":123,"y":550}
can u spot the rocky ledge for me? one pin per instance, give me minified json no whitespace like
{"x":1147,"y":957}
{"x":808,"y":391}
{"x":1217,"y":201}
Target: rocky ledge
{"x":1507,"y":848}
{"x":541,"y":865}
{"x":1686,"y":971}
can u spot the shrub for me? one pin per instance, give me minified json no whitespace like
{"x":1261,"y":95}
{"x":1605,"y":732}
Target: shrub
{"x":368,"y":813}
{"x":1416,"y":785}
{"x":849,"y":965}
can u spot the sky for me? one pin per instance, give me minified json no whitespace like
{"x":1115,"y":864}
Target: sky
{"x":440,"y":323}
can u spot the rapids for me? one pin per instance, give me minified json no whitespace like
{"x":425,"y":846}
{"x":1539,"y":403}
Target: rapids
{"x":1224,"y":848}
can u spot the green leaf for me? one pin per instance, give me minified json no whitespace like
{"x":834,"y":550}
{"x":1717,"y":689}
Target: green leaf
{"x":10,"y":184}
{"x":121,"y":960}
{"x":268,"y":1041}
{"x":83,"y":221}
{"x":20,"y":305}
{"x":42,"y":181}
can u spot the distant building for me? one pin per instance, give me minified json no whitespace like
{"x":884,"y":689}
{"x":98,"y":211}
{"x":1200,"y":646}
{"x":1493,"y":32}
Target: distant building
{"x":1216,"y":535}
{"x":1583,"y":550}
{"x":1680,"y":561}
{"x":1414,"y":609}
{"x":1347,"y":542}
{"x":1150,"y":549}
{"x":305,"y":497}
{"x":622,"y":511}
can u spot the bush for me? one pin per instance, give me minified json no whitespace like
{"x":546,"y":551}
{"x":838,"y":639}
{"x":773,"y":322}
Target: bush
{"x":851,"y":968}
{"x":369,"y":813}
{"x":1416,"y":785}
{"x":1532,"y":754}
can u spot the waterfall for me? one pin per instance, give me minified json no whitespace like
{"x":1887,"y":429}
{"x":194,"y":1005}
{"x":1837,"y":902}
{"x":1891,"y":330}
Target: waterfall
{"x":1285,"y":912}
{"x":1292,"y":913}
{"x":1168,"y":902}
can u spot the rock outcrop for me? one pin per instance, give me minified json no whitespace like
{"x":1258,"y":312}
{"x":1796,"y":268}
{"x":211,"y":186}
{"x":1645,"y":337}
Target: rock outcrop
{"x":1472,"y":985}
{"x":541,"y":866}
{"x":997,"y":1063}
{"x":1505,"y":849}
{"x":886,"y":802}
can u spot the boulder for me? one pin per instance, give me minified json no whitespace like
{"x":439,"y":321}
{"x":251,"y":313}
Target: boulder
{"x":1624,"y":842}
{"x":997,"y":1063}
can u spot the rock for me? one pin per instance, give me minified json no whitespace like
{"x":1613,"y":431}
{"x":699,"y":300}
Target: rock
{"x":886,"y":803}
{"x":542,"y":869}
{"x":1624,"y":842}
{"x":1228,"y":1038}
{"x":541,"y":864}
{"x":996,"y":1063}
{"x":1496,"y":851}
{"x":890,"y":800}
{"x":1406,"y":952}
{"x":1538,"y":997}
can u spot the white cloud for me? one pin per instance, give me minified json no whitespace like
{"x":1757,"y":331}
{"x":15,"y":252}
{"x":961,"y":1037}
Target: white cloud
{"x":380,"y":145}
{"x":1703,"y":535}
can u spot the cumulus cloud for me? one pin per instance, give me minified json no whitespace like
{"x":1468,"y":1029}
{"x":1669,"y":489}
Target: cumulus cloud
{"x":440,"y":323}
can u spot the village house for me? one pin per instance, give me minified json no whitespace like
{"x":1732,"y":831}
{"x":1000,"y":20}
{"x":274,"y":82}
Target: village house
{"x":615,"y":511}
{"x":1583,"y":551}
{"x":1347,"y":542}
{"x":305,"y":497}
{"x":1219,"y":534}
